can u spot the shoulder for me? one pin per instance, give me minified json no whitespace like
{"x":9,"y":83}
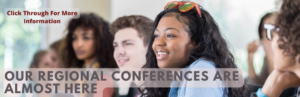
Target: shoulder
{"x":202,"y":63}
{"x":204,"y":92}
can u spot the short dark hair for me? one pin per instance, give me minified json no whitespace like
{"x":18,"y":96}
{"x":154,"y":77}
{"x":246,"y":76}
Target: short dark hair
{"x":142,"y":24}
{"x":288,"y":21}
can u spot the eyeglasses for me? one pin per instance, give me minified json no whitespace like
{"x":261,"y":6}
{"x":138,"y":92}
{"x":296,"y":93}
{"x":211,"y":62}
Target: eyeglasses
{"x":183,"y":6}
{"x":270,"y":30}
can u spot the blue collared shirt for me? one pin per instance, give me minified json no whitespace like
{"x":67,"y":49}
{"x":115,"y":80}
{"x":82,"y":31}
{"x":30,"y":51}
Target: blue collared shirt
{"x":196,"y":92}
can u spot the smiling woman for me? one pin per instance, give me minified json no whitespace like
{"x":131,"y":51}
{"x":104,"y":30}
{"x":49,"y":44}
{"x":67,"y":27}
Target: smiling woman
{"x":186,"y":36}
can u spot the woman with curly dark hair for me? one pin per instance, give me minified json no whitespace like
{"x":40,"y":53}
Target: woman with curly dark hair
{"x":88,"y":45}
{"x":188,"y":39}
{"x":286,"y":47}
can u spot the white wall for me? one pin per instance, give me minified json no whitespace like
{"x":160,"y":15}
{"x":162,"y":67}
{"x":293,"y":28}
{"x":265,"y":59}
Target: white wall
{"x":148,"y":8}
{"x":100,"y":7}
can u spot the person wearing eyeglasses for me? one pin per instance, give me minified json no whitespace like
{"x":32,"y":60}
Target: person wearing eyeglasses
{"x":131,"y":38}
{"x":186,"y":36}
{"x":286,"y":47}
{"x":266,"y":20}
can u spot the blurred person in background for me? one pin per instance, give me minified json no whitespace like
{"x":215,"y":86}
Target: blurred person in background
{"x":54,"y":52}
{"x":41,"y":59}
{"x":286,"y":47}
{"x":132,"y":34}
{"x":88,"y":44}
{"x":267,"y":68}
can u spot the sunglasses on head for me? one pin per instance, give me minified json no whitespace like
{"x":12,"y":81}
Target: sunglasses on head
{"x":183,"y":6}
{"x":270,"y":30}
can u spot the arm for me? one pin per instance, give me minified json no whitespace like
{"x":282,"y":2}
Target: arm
{"x":252,"y":48}
{"x":202,"y":91}
{"x":251,"y":71}
{"x":277,"y":82}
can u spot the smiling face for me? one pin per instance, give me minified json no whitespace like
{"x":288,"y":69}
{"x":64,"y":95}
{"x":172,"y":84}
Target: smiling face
{"x":129,"y":49}
{"x":83,"y":43}
{"x":171,"y":44}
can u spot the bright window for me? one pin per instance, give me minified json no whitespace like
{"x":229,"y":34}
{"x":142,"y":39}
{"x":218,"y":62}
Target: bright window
{"x":18,"y":42}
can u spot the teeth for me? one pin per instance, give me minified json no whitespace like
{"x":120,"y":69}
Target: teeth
{"x":159,"y":53}
{"x":122,"y":60}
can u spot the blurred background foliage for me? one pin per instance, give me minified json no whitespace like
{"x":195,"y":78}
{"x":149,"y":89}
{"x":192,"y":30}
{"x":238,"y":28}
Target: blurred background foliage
{"x":18,"y":42}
